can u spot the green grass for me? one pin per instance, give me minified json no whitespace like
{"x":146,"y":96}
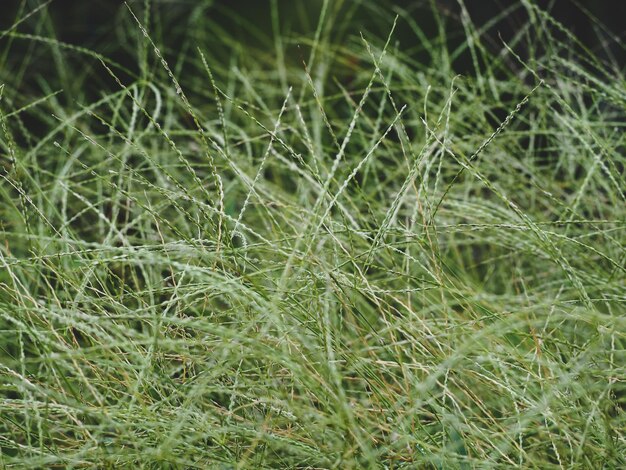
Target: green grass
{"x":214,"y":256}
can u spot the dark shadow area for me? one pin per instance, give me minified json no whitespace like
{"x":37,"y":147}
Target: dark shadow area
{"x":596,"y":24}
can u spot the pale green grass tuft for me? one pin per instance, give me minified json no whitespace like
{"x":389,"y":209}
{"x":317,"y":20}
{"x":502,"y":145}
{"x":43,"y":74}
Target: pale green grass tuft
{"x":220,"y":257}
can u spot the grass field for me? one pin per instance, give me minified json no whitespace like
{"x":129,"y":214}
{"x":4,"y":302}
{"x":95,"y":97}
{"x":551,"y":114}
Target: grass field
{"x":311,"y":250}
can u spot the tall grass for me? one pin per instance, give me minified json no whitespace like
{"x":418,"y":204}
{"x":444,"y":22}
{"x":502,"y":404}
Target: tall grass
{"x":315,"y":251}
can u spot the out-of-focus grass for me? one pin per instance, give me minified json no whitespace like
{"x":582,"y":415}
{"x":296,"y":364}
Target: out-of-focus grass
{"x":221,"y":257}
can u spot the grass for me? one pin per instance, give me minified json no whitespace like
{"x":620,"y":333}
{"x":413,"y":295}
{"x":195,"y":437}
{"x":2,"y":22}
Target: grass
{"x":316,"y":250}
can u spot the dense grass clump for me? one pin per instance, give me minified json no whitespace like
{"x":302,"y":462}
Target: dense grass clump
{"x":316,"y":250}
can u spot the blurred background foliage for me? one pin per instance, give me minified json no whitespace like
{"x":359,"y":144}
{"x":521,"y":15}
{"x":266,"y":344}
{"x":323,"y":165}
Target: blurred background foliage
{"x":106,"y":25}
{"x":231,"y":33}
